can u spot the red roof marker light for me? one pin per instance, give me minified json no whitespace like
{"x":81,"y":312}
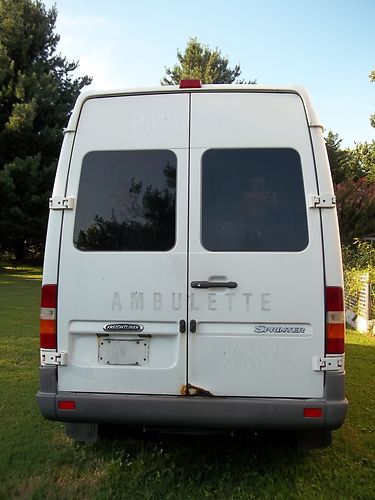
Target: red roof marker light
{"x":190,"y":84}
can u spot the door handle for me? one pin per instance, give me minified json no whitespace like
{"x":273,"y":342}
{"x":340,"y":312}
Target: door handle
{"x":182,"y":326}
{"x":213,"y":284}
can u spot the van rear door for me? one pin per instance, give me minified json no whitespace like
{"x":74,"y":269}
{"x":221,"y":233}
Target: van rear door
{"x":256,"y":280}
{"x":122,"y":298}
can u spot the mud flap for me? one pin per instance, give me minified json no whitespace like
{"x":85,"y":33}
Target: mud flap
{"x":82,"y":432}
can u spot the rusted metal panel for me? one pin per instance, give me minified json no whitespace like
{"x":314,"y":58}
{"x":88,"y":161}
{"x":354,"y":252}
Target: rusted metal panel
{"x":192,"y":390}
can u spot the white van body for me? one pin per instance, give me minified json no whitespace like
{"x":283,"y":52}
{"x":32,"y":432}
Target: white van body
{"x":192,"y":236}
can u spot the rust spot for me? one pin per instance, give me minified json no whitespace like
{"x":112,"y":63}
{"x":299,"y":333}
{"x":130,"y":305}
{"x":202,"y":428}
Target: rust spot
{"x":184,"y":390}
{"x":193,"y":390}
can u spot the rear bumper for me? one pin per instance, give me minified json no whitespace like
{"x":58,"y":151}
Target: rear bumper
{"x":216,"y":412}
{"x":195,"y":411}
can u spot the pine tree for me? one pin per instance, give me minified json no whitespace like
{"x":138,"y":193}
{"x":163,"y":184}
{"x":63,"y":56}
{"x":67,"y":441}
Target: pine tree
{"x":372,"y":79}
{"x":200,"y":62}
{"x":37,"y":92}
{"x":338,"y":158}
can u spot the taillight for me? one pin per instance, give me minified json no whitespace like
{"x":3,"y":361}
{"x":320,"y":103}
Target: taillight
{"x":190,"y":84}
{"x":335,"y":320}
{"x":48,"y":330}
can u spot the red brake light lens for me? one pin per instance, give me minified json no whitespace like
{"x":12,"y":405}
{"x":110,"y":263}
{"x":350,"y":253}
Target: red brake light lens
{"x":334,"y":298}
{"x":335,"y":320}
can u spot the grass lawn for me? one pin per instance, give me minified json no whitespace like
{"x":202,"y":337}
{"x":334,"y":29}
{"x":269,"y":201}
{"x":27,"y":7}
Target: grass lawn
{"x":37,"y":460}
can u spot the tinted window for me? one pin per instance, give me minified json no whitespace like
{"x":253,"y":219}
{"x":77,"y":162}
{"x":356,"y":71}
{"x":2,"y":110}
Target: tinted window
{"x":126,"y":201}
{"x":253,"y":200}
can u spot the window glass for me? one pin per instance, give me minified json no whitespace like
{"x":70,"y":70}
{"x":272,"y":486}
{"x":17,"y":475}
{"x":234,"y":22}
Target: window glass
{"x":253,"y":200}
{"x":126,"y":201}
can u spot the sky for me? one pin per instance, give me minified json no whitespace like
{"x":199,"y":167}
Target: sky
{"x":327,"y":46}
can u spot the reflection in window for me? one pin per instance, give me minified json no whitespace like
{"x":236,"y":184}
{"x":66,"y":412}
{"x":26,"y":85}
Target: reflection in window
{"x":126,"y":201}
{"x":253,"y":200}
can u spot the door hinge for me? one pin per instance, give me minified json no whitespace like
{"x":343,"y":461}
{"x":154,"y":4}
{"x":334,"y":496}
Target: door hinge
{"x":48,"y":357}
{"x":331,"y":364}
{"x":322,"y":201}
{"x":61,"y":203}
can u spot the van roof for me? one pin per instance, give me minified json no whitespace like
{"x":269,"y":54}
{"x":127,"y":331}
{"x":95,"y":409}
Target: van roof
{"x":168,"y":89}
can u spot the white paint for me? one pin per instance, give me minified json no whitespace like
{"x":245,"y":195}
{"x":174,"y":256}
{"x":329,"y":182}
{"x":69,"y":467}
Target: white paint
{"x":273,"y":287}
{"x":225,"y":355}
{"x":148,"y":288}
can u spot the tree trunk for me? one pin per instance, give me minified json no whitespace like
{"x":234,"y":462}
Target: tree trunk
{"x":19,"y":250}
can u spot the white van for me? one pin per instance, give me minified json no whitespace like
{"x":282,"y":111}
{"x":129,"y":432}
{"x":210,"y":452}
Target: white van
{"x":192,"y":273}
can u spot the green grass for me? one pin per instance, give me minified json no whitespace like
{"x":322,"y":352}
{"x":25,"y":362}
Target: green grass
{"x":38,"y":461}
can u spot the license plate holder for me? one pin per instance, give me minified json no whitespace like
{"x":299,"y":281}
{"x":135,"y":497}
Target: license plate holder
{"x":123,"y":352}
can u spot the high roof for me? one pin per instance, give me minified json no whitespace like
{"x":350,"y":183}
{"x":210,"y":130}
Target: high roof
{"x":174,"y":89}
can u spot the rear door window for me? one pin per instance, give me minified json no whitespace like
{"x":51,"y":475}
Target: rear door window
{"x":253,"y":200}
{"x":126,"y":201}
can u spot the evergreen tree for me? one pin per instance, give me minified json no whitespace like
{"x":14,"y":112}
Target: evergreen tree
{"x":200,"y":62}
{"x":37,"y":92}
{"x":372,"y":117}
{"x":338,"y":158}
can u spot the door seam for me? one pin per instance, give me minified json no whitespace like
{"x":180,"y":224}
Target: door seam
{"x":188,"y":248}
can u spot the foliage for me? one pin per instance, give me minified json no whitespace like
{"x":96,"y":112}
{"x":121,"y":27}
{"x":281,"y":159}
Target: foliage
{"x":338,"y":158}
{"x":372,"y":117}
{"x":359,"y":261}
{"x":38,"y":461}
{"x":37,"y":92}
{"x":355,"y":280}
{"x":24,"y":190}
{"x":355,"y":209}
{"x":361,"y":161}
{"x":200,"y":62}
{"x":359,"y":255}
{"x":350,"y":163}
{"x":353,"y":174}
